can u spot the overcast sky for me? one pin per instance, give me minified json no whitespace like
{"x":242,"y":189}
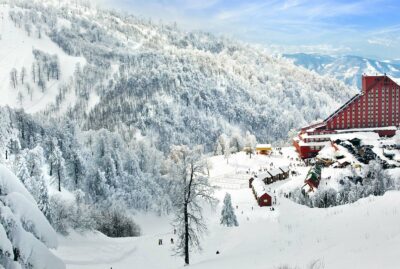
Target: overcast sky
{"x":368,"y":28}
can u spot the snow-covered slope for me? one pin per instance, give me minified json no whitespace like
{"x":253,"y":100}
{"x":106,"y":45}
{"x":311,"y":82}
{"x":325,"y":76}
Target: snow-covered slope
{"x":360,"y":235}
{"x":348,"y":69}
{"x":16,"y":47}
{"x":25,"y":234}
{"x":172,"y":86}
{"x":363,"y":234}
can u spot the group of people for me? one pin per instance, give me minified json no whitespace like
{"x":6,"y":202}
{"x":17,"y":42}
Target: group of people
{"x":160,"y":241}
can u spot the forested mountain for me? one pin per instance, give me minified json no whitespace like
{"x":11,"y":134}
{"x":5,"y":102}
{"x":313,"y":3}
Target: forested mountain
{"x":92,"y":102}
{"x":347,"y":68}
{"x":168,"y":85}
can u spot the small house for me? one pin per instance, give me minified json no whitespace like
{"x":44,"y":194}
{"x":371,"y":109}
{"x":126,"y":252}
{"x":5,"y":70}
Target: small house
{"x":265,"y":177}
{"x":313,"y":177}
{"x":261,"y":195}
{"x":276,"y":174}
{"x":264,"y":149}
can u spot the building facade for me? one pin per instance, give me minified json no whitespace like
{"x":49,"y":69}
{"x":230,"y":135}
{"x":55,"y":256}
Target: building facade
{"x":375,"y":108}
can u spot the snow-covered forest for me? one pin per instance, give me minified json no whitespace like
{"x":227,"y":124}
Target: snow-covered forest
{"x":170,"y":86}
{"x":101,"y":112}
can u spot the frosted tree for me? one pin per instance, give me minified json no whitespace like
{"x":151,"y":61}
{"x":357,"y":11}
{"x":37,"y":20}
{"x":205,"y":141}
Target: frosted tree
{"x":377,"y":180}
{"x":23,"y":75}
{"x":21,"y":169}
{"x":25,"y":234}
{"x":227,"y":150}
{"x":218,"y":149}
{"x":192,"y":188}
{"x":97,"y":186}
{"x":228,"y":217}
{"x":43,"y":199}
{"x":250,"y":143}
{"x":236,"y":143}
{"x":57,"y":163}
{"x":14,"y":78}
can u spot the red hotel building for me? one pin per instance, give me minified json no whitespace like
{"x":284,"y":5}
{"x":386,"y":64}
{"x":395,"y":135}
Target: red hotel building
{"x":375,"y":108}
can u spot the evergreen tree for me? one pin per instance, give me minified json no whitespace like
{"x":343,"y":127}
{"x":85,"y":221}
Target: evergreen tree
{"x":228,"y":217}
{"x":57,"y":163}
{"x":43,"y":199}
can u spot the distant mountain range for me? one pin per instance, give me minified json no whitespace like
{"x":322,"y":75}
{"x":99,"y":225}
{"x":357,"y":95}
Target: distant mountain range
{"x":347,"y":68}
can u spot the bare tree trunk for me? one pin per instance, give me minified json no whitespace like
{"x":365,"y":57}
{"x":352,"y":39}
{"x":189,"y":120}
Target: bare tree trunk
{"x":186,"y":234}
{"x":59,"y":180}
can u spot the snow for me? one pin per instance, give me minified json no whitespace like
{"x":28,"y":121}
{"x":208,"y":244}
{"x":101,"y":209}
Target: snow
{"x":5,"y":244}
{"x":24,"y":227}
{"x":23,"y":209}
{"x":10,"y":184}
{"x":16,"y":52}
{"x":263,"y":146}
{"x":361,"y":235}
{"x":358,"y":235}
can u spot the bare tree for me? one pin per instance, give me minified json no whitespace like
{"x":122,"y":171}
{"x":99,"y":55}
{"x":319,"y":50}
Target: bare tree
{"x":20,"y":98}
{"x":29,"y":90}
{"x":189,"y":168}
{"x":34,"y":72}
{"x":23,"y":75}
{"x":28,"y":29}
{"x":13,"y":78}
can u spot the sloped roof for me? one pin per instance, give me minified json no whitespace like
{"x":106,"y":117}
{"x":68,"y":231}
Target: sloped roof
{"x":275,"y":172}
{"x":263,"y":175}
{"x":284,"y":169}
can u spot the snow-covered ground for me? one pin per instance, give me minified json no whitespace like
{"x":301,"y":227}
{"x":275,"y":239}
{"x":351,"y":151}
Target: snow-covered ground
{"x":16,"y":52}
{"x":365,"y":234}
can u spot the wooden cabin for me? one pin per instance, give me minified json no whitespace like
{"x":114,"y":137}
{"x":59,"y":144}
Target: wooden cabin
{"x":264,"y":149}
{"x":265,"y":177}
{"x":276,"y":174}
{"x":260,"y":193}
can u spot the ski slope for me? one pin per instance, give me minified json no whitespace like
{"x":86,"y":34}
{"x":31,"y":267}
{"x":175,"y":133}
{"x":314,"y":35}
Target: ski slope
{"x":16,"y":52}
{"x":365,"y":234}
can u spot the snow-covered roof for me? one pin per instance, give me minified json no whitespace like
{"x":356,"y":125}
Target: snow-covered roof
{"x":344,"y":160}
{"x":284,"y":169}
{"x":259,"y":187}
{"x":327,"y":152}
{"x":306,"y":135}
{"x":275,"y":172}
{"x":314,"y":144}
{"x":263,"y":175}
{"x":263,"y":146}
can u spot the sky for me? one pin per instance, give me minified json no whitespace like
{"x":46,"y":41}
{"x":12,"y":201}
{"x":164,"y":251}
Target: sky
{"x":368,"y":28}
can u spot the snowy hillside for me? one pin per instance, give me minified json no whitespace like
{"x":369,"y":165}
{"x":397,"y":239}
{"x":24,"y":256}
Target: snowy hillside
{"x":348,"y":69}
{"x":25,"y":234}
{"x":17,"y":45}
{"x":358,"y":235}
{"x":171,"y":86}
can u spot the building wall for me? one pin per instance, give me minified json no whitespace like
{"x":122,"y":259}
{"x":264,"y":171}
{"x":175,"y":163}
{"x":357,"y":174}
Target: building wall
{"x":377,"y":106}
{"x":265,"y":200}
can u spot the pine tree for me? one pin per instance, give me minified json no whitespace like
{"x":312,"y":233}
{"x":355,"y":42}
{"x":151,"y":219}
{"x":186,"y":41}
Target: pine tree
{"x":228,"y":217}
{"x":43,"y":199}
